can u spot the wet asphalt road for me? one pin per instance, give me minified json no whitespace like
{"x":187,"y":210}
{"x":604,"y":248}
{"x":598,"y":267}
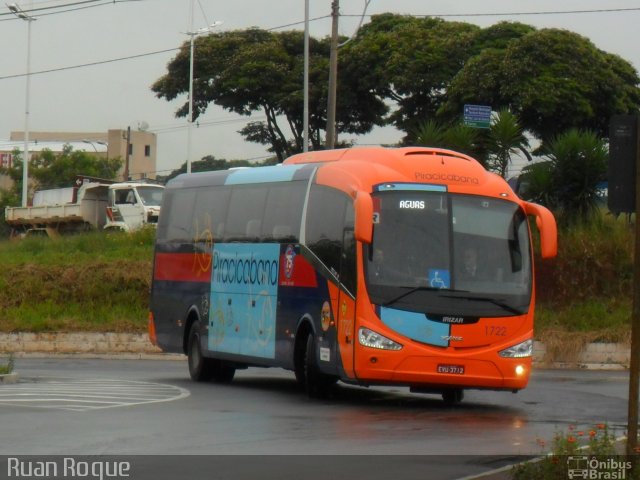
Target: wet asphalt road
{"x":150,"y":407}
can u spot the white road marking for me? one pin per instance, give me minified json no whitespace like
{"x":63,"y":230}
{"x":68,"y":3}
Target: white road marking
{"x":84,"y":395}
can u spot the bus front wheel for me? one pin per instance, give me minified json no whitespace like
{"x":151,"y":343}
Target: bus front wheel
{"x":452,"y":396}
{"x":317,"y":384}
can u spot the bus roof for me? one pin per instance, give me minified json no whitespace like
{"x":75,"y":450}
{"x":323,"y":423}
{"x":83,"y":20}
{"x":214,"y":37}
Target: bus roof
{"x":354,"y":169}
{"x":234,"y":176}
{"x":373,"y":154}
{"x":360,"y":169}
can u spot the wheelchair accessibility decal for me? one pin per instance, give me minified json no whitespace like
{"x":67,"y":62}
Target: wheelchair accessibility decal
{"x":439,"y":278}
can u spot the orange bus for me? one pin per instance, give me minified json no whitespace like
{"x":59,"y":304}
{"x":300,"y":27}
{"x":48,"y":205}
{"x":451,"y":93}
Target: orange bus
{"x":372,"y":266}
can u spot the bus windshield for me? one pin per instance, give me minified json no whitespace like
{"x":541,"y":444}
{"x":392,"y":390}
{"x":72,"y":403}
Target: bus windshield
{"x":448,"y":254}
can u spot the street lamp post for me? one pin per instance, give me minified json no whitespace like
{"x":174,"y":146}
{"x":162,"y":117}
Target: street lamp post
{"x":305,"y":114}
{"x":193,"y":34}
{"x":18,"y":12}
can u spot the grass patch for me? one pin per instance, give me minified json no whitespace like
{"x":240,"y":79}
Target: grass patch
{"x":92,"y":282}
{"x":604,"y":320}
{"x":50,"y":317}
{"x":80,"y":248}
{"x":7,"y":368}
{"x":585,"y":293}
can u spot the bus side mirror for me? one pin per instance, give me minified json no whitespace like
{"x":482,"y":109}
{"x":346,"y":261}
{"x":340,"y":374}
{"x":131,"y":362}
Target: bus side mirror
{"x":546,"y":224}
{"x":364,"y":217}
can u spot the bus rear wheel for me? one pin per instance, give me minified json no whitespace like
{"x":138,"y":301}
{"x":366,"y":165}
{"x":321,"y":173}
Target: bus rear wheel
{"x":223,"y":372}
{"x":201,"y":368}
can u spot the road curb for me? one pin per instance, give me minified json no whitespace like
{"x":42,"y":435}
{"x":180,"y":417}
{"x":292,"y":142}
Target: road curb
{"x":594,"y":356}
{"x":9,"y":378}
{"x":77,"y":343}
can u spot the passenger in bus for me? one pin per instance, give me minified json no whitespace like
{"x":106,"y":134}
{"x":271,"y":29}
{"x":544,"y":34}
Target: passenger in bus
{"x":378,"y":263}
{"x":469,"y":266}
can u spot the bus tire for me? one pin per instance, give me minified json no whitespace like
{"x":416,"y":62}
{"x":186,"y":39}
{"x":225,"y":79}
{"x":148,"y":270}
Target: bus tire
{"x":317,"y":384}
{"x":452,"y":396}
{"x":201,"y":368}
{"x":299,"y":358}
{"x":223,"y":372}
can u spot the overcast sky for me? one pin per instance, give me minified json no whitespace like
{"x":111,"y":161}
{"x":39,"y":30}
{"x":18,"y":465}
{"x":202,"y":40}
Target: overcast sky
{"x":117,"y":94}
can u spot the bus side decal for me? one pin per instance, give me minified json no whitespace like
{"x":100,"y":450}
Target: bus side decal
{"x":244,"y":296}
{"x":295,"y":270}
{"x":180,"y":267}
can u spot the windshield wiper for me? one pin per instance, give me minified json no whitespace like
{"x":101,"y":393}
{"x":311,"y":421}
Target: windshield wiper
{"x":499,"y":302}
{"x":409,"y":292}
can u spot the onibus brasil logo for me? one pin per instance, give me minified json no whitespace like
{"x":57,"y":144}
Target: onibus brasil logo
{"x":592,"y":467}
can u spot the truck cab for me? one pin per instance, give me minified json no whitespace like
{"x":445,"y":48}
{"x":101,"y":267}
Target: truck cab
{"x":132,"y":205}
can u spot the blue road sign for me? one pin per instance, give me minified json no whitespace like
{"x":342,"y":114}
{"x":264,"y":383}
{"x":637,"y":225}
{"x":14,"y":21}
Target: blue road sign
{"x":478,"y":116}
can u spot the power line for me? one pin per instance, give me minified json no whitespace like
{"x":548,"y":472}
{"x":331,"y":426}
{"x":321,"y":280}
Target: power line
{"x":207,"y":123}
{"x":63,"y":8}
{"x":490,"y":14}
{"x":298,"y":23}
{"x":90,"y":64}
{"x":40,"y":9}
{"x":516,"y":14}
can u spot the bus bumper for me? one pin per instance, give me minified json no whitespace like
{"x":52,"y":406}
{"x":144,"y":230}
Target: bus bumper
{"x":442,"y":371}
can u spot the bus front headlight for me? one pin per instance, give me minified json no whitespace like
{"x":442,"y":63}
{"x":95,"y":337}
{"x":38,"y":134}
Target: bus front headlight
{"x":369,"y":338}
{"x":521,"y":350}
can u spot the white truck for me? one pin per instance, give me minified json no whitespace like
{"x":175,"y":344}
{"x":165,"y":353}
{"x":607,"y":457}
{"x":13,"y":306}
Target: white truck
{"x":92,"y":204}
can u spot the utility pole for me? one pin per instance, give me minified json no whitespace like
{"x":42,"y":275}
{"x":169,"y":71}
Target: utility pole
{"x":18,"y":12}
{"x":634,"y":361}
{"x":305,"y":114}
{"x":126,"y":155}
{"x":333,"y":76}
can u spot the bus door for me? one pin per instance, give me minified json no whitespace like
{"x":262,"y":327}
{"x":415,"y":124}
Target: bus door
{"x":345,"y":313}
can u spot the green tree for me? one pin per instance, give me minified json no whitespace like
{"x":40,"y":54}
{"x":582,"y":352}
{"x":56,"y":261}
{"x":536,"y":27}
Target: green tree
{"x":456,"y":137}
{"x":552,"y":80}
{"x":207,"y":164}
{"x":536,"y":183}
{"x":54,"y":170}
{"x":15,"y":173}
{"x":409,"y":61}
{"x":497,"y":37}
{"x":576,"y":161}
{"x":492,"y":147}
{"x":251,"y":71}
{"x":8,"y":198}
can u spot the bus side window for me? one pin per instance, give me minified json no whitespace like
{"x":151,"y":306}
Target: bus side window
{"x":210,"y":211}
{"x":179,"y":216}
{"x":325,"y":225}
{"x":282,"y":233}
{"x":253,"y":230}
{"x":283,"y":211}
{"x":219,"y":232}
{"x":247,"y":204}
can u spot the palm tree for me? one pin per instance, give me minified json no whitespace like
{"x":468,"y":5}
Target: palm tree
{"x":506,"y":138}
{"x":579,"y":158}
{"x":458,"y":137}
{"x":576,"y":161}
